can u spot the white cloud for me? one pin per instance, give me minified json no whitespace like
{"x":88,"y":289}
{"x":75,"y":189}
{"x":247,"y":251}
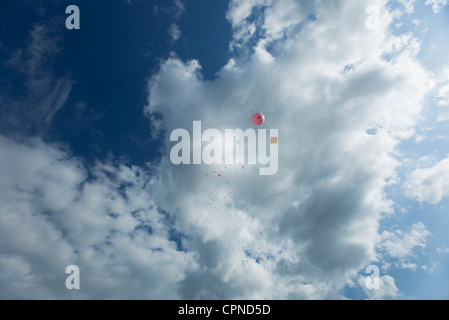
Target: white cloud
{"x":387,"y":288}
{"x":324,"y":205}
{"x":178,"y":8}
{"x":401,"y":245}
{"x":282,"y":15}
{"x":437,"y":5}
{"x":43,"y":94}
{"x":443,"y":94}
{"x":181,"y":231}
{"x":444,"y":116}
{"x":432,"y":267}
{"x":242,"y":35}
{"x":174,"y":32}
{"x":239,"y":15}
{"x":173,"y":8}
{"x":409,"y":5}
{"x":429,"y":184}
{"x":53,"y":215}
{"x":239,"y":11}
{"x":278,"y":19}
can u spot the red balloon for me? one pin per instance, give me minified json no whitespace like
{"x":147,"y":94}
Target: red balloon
{"x":258,"y":119}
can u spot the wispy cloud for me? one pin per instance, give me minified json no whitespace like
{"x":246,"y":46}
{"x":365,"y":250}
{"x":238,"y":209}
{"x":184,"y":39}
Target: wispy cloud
{"x":437,"y":5}
{"x":174,"y":32}
{"x":402,"y":245}
{"x":42,"y":94}
{"x":409,"y":5}
{"x":178,"y":8}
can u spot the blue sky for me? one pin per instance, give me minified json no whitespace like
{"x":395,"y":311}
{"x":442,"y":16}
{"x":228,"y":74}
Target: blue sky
{"x":85,"y":122}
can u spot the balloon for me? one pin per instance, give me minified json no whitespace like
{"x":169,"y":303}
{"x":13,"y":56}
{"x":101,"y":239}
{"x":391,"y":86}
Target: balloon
{"x":258,"y":119}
